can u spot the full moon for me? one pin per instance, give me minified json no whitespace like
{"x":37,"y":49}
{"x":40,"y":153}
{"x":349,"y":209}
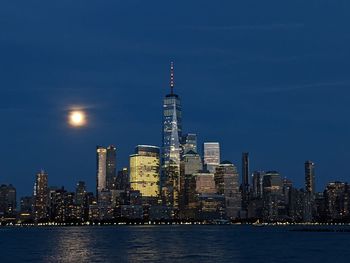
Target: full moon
{"x":77,"y":118}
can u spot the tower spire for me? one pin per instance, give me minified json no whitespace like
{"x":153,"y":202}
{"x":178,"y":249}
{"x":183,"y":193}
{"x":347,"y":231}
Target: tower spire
{"x":172,"y":83}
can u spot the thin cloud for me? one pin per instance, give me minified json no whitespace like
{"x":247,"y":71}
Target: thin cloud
{"x":10,"y":109}
{"x":248,"y":27}
{"x":306,"y":86}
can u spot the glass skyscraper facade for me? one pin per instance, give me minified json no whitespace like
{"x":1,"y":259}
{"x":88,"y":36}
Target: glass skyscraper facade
{"x":101,"y":173}
{"x":272,"y":195}
{"x":189,"y":143}
{"x":105,"y":168}
{"x":111,"y":166}
{"x":211,"y":152}
{"x":227,"y":184}
{"x":41,"y":196}
{"x":191,"y":163}
{"x":257,"y":186}
{"x":172,"y":133}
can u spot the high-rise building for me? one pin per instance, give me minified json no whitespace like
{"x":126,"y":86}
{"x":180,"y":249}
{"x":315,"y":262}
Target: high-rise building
{"x":58,"y":208}
{"x":309,"y":191}
{"x":205,"y":183}
{"x":189,"y":143}
{"x":111,"y":166}
{"x":227,"y":184}
{"x":337,"y":200}
{"x":62,"y":207}
{"x":191,"y":163}
{"x":11,"y":199}
{"x":172,"y":133}
{"x":26,"y":208}
{"x":203,"y":202}
{"x":272,"y":182}
{"x":296,"y":204}
{"x":144,"y":170}
{"x":105,"y":209}
{"x":81,"y":201}
{"x":245,"y":180}
{"x":41,"y":196}
{"x":7,"y":200}
{"x":258,"y":184}
{"x":80,"y":193}
{"x":101,"y":173}
{"x":310,"y":177}
{"x":272,"y":194}
{"x":255,"y":204}
{"x":211,"y":155}
{"x":70,"y":207}
{"x":122,"y":181}
{"x":287,"y":188}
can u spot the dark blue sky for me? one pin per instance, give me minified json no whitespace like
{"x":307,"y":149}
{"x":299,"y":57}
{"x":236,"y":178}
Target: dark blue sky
{"x":268,"y":77}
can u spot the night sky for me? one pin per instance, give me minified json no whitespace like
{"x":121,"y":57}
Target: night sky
{"x":268,"y":77}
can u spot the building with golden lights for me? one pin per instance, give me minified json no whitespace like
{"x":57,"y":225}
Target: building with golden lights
{"x":145,"y":170}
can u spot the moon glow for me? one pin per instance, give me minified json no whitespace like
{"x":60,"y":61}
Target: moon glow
{"x":77,"y":118}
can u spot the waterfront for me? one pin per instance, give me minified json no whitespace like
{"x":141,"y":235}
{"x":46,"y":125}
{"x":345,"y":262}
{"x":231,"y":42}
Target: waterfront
{"x":174,"y":243}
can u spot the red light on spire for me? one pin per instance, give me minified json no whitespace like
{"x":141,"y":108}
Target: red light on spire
{"x":172,"y":82}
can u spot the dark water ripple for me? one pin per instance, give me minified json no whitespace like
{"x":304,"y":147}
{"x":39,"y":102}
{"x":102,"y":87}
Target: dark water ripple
{"x":171,"y":244}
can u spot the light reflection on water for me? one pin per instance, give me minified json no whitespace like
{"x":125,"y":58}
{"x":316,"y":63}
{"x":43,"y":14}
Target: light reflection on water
{"x":237,"y":244}
{"x":135,"y":244}
{"x":175,"y":244}
{"x":71,"y":245}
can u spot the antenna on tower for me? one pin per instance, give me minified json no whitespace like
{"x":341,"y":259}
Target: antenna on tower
{"x":172,"y":83}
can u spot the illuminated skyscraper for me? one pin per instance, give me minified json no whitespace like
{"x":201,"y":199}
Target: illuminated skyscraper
{"x":81,"y":201}
{"x":80,"y":193}
{"x":258,"y":184}
{"x":189,"y":143}
{"x":172,"y":131}
{"x":310,"y":190}
{"x":272,"y":195}
{"x":191,"y":163}
{"x":272,"y":182}
{"x":101,"y":173}
{"x":205,"y":183}
{"x":227,"y":184}
{"x":211,"y":152}
{"x":310,"y":177}
{"x":111,"y":163}
{"x":41,"y":196}
{"x":337,"y":200}
{"x":144,"y":170}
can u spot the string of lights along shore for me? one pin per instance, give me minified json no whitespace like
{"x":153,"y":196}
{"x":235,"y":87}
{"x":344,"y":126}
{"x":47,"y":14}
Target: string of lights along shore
{"x":176,"y":182}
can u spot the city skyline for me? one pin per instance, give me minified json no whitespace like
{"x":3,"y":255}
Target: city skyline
{"x":184,"y":139}
{"x":176,"y":182}
{"x":174,"y":147}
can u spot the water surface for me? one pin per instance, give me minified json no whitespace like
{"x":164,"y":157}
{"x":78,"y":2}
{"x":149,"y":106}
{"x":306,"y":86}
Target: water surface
{"x":177,"y":243}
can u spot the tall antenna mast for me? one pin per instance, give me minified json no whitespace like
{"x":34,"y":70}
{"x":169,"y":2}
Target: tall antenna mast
{"x":172,"y":83}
